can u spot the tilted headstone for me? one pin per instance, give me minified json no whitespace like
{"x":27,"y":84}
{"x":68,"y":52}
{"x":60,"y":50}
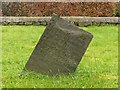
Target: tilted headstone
{"x":59,"y":49}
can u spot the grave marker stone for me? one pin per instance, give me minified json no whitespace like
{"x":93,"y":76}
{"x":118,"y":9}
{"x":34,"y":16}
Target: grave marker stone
{"x":60,"y":48}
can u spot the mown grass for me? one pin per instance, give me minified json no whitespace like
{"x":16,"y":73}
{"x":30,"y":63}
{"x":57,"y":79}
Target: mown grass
{"x":98,"y":68}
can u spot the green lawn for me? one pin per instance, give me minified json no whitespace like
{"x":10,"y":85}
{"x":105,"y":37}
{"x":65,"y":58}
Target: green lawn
{"x":97,"y":69}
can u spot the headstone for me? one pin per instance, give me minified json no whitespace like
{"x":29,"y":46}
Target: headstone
{"x":59,"y":49}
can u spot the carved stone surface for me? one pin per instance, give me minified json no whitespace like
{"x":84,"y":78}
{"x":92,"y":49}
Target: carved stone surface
{"x":60,"y":48}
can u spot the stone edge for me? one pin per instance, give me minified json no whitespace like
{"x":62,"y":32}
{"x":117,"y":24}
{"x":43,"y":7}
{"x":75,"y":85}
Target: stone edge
{"x":79,"y":21}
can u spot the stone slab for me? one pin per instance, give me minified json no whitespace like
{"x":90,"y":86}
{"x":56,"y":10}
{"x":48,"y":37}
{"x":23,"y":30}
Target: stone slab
{"x":60,"y":48}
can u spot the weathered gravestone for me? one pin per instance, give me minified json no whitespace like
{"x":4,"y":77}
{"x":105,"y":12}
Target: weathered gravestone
{"x":60,"y":48}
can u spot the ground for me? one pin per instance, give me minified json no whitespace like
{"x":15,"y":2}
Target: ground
{"x":97,"y":69}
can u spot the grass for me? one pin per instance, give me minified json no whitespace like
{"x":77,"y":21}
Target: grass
{"x":97,"y":69}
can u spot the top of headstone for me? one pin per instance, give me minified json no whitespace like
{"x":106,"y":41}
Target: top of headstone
{"x":66,"y":26}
